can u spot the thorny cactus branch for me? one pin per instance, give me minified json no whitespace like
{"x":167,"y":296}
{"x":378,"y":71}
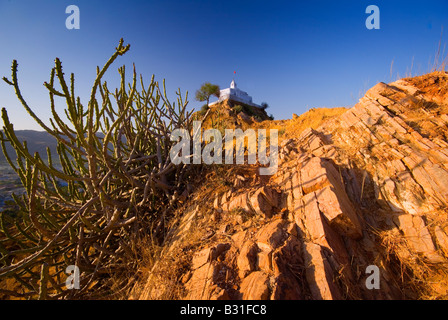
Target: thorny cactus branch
{"x":113,"y":178}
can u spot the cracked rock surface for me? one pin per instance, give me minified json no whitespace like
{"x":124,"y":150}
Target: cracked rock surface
{"x":369,"y":187}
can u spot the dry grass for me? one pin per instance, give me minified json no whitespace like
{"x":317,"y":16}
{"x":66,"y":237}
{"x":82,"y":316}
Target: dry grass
{"x":162,"y":268}
{"x":221,"y":116}
{"x":418,"y":278}
{"x":165,"y":271}
{"x":292,"y":128}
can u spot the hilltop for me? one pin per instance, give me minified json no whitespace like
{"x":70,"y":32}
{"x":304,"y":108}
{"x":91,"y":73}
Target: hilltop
{"x":357,"y":189}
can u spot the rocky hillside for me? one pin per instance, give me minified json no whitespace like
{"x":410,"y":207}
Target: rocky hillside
{"x":229,"y":115}
{"x":368,"y":186}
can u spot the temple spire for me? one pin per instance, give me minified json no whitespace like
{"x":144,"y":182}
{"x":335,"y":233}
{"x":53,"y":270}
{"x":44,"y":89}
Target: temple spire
{"x":235,"y":94}
{"x":233,"y":83}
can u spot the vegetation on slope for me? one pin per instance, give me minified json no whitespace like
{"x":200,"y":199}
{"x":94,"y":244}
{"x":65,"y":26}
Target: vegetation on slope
{"x":116,"y":184}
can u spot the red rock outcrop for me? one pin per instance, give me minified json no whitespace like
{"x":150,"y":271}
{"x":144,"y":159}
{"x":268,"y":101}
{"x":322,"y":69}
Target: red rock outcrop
{"x":367,"y":188}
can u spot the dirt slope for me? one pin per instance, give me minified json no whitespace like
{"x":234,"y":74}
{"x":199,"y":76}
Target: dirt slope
{"x":367,"y":186}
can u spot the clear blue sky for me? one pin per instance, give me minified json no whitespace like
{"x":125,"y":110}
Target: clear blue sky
{"x":294,"y":55}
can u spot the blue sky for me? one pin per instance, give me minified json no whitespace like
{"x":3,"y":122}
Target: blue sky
{"x":294,"y":55}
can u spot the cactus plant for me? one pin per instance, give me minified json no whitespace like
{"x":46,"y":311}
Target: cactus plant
{"x":115,"y":179}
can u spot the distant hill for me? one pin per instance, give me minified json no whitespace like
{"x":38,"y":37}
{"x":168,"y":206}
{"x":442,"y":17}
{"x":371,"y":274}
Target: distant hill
{"x":37,"y":141}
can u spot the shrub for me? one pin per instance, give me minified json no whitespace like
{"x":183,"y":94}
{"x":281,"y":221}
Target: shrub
{"x":244,"y":108}
{"x":116,"y":179}
{"x":204,"y":109}
{"x":248,"y":110}
{"x":238,"y":108}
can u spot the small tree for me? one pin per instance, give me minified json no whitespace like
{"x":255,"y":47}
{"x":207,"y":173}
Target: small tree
{"x":264,"y":105}
{"x":206,"y":91}
{"x":238,"y":108}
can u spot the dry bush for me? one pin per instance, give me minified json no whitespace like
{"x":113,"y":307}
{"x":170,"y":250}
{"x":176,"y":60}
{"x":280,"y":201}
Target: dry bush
{"x":117,"y":182}
{"x":419,"y":279}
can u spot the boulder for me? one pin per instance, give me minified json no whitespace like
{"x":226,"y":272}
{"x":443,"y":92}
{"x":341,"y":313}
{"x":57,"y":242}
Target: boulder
{"x":319,"y":274}
{"x":247,"y":259}
{"x":442,"y":238}
{"x":339,"y":211}
{"x":219,"y":294}
{"x":239,"y":202}
{"x":285,"y":287}
{"x":208,"y":254}
{"x":255,"y":286}
{"x":263,"y":201}
{"x":198,"y":287}
{"x":418,"y":237}
{"x":201,"y":258}
{"x":318,"y":230}
{"x":271,"y":236}
{"x":264,"y":261}
{"x":317,"y":173}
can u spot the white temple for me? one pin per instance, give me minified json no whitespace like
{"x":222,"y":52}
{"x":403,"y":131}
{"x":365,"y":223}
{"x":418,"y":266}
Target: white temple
{"x":234,"y":94}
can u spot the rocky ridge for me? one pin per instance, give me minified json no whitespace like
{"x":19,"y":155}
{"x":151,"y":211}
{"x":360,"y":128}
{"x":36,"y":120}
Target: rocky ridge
{"x":369,"y":187}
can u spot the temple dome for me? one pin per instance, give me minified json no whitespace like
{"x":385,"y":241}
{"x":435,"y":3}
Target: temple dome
{"x":236,"y":95}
